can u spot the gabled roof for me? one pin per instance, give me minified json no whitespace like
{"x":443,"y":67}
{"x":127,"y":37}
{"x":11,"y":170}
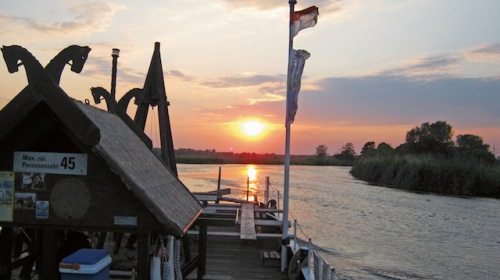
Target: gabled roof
{"x":125,"y":153}
{"x":52,"y":95}
{"x":142,"y":172}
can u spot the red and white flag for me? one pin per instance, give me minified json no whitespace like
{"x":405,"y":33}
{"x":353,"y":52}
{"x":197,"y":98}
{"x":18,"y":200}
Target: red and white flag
{"x":304,"y":19}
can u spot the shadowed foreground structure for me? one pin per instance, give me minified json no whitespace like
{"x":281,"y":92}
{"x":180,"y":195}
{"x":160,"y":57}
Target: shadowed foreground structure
{"x":231,"y":258}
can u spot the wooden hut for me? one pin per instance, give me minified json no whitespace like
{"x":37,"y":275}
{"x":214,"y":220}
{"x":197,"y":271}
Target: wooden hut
{"x":98,"y":174}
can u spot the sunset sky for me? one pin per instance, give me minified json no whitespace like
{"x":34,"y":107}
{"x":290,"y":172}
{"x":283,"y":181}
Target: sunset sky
{"x":378,"y":68}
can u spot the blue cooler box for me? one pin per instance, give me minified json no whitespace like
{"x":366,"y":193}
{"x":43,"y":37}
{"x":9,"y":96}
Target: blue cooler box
{"x":86,"y":264}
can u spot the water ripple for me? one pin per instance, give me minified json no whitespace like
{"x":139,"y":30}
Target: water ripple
{"x":371,"y":232}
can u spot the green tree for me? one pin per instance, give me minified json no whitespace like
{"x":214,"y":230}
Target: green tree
{"x":347,"y":153}
{"x":368,"y":149}
{"x":321,"y":151}
{"x":385,"y":149}
{"x":435,"y":138}
{"x":472,"y":146}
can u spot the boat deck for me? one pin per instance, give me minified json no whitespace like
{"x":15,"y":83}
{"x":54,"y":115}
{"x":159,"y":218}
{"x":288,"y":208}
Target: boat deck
{"x":237,"y":241}
{"x":229,"y":257}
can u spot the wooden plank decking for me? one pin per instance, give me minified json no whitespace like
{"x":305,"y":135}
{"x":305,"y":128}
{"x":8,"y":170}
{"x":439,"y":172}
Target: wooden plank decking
{"x":233,"y":259}
{"x":237,"y":251}
{"x":247,"y":228}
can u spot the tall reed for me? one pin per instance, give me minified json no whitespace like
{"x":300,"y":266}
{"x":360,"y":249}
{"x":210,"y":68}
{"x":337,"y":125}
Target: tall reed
{"x":429,"y":173}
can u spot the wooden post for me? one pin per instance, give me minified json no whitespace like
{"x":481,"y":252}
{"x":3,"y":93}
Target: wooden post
{"x":49,"y":265}
{"x":143,"y":256}
{"x":278,"y":206}
{"x":202,"y":251}
{"x":310,"y":258}
{"x":267,"y":189}
{"x":295,"y":232}
{"x":218,"y":187}
{"x":248,"y":186}
{"x":5,"y":253}
{"x":101,"y":239}
{"x":187,"y":251}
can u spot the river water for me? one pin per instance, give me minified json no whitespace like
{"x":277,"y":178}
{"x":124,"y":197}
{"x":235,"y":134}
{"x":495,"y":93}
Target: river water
{"x":370,"y":232}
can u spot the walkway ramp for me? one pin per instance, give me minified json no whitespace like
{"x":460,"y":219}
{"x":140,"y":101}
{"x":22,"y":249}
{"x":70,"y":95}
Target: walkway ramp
{"x":247,"y":227}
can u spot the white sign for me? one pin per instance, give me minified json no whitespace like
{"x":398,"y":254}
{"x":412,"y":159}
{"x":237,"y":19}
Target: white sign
{"x":125,"y":221}
{"x":53,"y":163}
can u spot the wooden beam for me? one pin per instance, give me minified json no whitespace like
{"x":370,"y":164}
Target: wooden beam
{"x":202,"y":251}
{"x":206,"y":197}
{"x":224,"y":191}
{"x":189,"y":267}
{"x":143,"y":241}
{"x":50,"y":264}
{"x":215,"y":233}
{"x":214,"y":222}
{"x":268,"y":210}
{"x":247,"y":228}
{"x":6,"y":236}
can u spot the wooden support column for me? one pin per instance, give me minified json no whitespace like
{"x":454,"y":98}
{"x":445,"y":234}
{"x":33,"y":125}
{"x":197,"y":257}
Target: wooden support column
{"x":143,"y":241}
{"x":187,"y":251}
{"x":202,"y":251}
{"x":101,"y":239}
{"x":49,"y":265}
{"x":6,"y":238}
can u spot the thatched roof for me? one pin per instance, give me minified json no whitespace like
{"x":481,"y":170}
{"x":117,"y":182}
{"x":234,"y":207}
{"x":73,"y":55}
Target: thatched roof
{"x":111,"y":139}
{"x":142,"y":172}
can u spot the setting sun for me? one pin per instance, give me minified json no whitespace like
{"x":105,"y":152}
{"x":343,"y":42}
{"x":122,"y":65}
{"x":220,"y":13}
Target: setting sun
{"x":252,"y":128}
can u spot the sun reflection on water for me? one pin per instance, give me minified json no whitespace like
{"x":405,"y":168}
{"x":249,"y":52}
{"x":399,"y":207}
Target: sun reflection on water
{"x":251,"y":184}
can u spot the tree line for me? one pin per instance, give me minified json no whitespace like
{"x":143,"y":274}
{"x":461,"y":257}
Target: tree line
{"x":211,"y":156}
{"x":430,"y":160}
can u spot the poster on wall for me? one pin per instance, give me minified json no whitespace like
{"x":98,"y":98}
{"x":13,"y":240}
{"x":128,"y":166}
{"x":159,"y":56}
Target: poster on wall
{"x":6,"y":195}
{"x":42,"y":209}
{"x":31,"y":181}
{"x":25,"y":201}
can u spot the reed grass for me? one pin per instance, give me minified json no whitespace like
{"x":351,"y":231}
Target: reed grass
{"x":455,"y":176}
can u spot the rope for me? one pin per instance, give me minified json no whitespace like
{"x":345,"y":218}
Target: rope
{"x":298,"y":226}
{"x":177,"y":259}
{"x":336,"y":275}
{"x":166,"y":267}
{"x":271,"y":187}
{"x":307,"y":237}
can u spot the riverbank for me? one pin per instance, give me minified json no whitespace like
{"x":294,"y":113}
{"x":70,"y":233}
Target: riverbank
{"x":190,"y":156}
{"x":454,"y":176}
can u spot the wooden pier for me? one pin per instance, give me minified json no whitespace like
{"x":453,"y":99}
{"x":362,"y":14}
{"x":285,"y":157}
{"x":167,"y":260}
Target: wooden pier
{"x":236,"y":243}
{"x":228,"y":257}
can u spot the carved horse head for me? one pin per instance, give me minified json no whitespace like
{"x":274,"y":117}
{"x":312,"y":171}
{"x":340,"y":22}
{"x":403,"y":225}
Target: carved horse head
{"x":13,"y":54}
{"x":77,"y":55}
{"x":98,"y":93}
{"x":16,"y":56}
{"x":122,"y":104}
{"x":11,"y":58}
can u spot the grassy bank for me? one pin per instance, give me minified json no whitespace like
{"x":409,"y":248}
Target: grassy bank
{"x":430,"y":174}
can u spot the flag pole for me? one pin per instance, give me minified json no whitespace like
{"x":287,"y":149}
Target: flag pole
{"x":284,"y":238}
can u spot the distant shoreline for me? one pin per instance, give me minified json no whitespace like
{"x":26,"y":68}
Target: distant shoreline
{"x":190,"y":156}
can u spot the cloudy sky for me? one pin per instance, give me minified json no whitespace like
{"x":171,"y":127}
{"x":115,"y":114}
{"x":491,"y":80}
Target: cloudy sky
{"x":377,"y":69}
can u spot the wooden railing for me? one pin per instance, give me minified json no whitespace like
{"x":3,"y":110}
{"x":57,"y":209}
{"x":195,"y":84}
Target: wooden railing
{"x":316,"y":268}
